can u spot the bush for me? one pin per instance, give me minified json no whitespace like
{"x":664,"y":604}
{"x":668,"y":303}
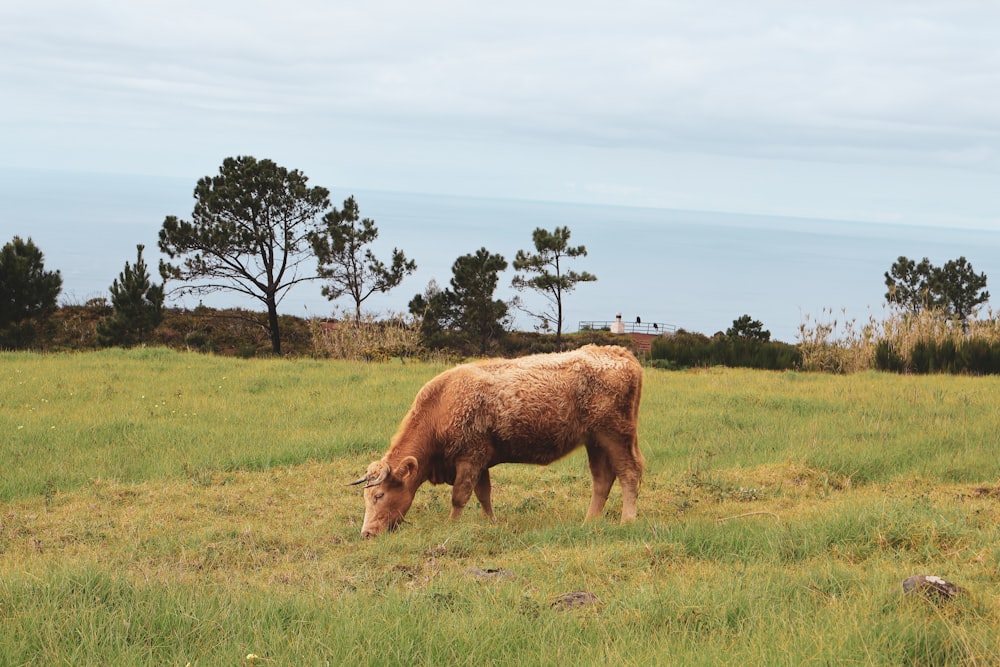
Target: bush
{"x":886,"y":357}
{"x":926,"y":342}
{"x":981,"y":356}
{"x":231,"y":332}
{"x":684,"y":350}
{"x":836,"y":345}
{"x":226,"y":332}
{"x":367,"y":340}
{"x":198,"y":340}
{"x":18,"y":336}
{"x":972,"y":356}
{"x":522,"y":343}
{"x":931,"y":342}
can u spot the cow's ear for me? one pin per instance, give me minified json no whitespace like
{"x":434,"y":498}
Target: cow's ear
{"x":407,"y":468}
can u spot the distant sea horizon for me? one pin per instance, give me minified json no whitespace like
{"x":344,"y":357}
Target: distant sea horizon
{"x":694,"y":270}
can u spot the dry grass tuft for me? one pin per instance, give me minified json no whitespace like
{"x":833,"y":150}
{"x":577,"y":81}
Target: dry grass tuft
{"x":837,"y":345}
{"x":366,"y":340}
{"x":842,"y":344}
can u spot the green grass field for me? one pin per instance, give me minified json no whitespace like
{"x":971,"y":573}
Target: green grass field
{"x":171,"y":509}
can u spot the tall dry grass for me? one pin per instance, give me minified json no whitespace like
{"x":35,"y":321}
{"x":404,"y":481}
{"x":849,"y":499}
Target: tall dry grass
{"x":366,"y":339}
{"x":835,"y":342}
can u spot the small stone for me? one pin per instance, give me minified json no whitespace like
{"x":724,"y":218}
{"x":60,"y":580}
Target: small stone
{"x":489,"y":573}
{"x":574,"y":600}
{"x":931,"y":586}
{"x":439,"y":550}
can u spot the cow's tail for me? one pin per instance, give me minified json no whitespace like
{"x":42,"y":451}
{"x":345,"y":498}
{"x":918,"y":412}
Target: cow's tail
{"x":636,"y":400}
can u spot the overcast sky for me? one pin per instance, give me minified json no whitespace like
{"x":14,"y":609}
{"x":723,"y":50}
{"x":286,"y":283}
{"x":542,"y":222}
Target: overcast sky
{"x":874,"y":111}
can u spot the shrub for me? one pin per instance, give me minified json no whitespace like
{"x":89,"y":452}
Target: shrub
{"x":198,"y":340}
{"x":886,"y":357}
{"x":836,"y":345}
{"x":367,"y":340}
{"x":925,"y":342}
{"x":684,"y":350}
{"x":522,"y":343}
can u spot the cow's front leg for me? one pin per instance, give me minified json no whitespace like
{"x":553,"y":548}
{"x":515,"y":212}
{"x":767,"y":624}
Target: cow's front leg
{"x":466,"y":479}
{"x":483,"y":493}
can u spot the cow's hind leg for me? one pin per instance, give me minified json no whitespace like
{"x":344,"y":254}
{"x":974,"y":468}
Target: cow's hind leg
{"x":604,"y":477}
{"x":626,"y":463}
{"x":483,"y":493}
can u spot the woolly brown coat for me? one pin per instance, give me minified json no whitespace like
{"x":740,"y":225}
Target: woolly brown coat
{"x":535,"y":409}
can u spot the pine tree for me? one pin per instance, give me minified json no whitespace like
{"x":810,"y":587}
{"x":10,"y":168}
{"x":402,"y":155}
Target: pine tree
{"x":551,"y":278}
{"x":137,"y":303}
{"x":248,"y":234}
{"x":478,"y":315}
{"x":954,"y":289}
{"x":27,"y":291}
{"x":747,"y":328}
{"x":345,"y":263}
{"x":466,"y":310}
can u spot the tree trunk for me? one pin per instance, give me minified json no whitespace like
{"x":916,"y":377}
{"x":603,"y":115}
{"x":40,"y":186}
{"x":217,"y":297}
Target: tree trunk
{"x":559,"y":346}
{"x":272,"y":325}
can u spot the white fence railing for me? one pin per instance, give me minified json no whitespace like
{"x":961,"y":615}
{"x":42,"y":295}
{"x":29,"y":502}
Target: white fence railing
{"x":654,"y":328}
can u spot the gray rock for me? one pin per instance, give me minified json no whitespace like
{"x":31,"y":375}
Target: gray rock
{"x":574,"y":600}
{"x":489,"y":573}
{"x":931,"y":586}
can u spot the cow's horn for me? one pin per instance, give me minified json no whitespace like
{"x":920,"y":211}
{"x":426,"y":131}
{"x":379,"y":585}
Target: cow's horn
{"x":372,"y":481}
{"x":378,"y":480}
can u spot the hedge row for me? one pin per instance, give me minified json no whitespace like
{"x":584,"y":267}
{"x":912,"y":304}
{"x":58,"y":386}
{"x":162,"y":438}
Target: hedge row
{"x":974,"y":356}
{"x":686,"y":350}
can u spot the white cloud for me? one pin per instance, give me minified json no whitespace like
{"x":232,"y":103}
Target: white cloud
{"x":745,"y":103}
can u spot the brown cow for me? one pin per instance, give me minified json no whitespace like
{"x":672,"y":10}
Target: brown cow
{"x":531,"y":410}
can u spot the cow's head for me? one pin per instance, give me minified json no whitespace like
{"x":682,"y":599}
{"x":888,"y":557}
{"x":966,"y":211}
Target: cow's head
{"x":388,"y":494}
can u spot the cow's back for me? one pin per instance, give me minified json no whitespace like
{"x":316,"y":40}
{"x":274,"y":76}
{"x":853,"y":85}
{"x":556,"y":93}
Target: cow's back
{"x":537,"y":409}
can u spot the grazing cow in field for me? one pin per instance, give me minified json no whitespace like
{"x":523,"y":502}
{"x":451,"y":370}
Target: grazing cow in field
{"x":531,"y":410}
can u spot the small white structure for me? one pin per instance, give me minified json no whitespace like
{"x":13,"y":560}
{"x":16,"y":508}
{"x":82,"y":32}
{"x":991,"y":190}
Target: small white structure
{"x":618,"y":327}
